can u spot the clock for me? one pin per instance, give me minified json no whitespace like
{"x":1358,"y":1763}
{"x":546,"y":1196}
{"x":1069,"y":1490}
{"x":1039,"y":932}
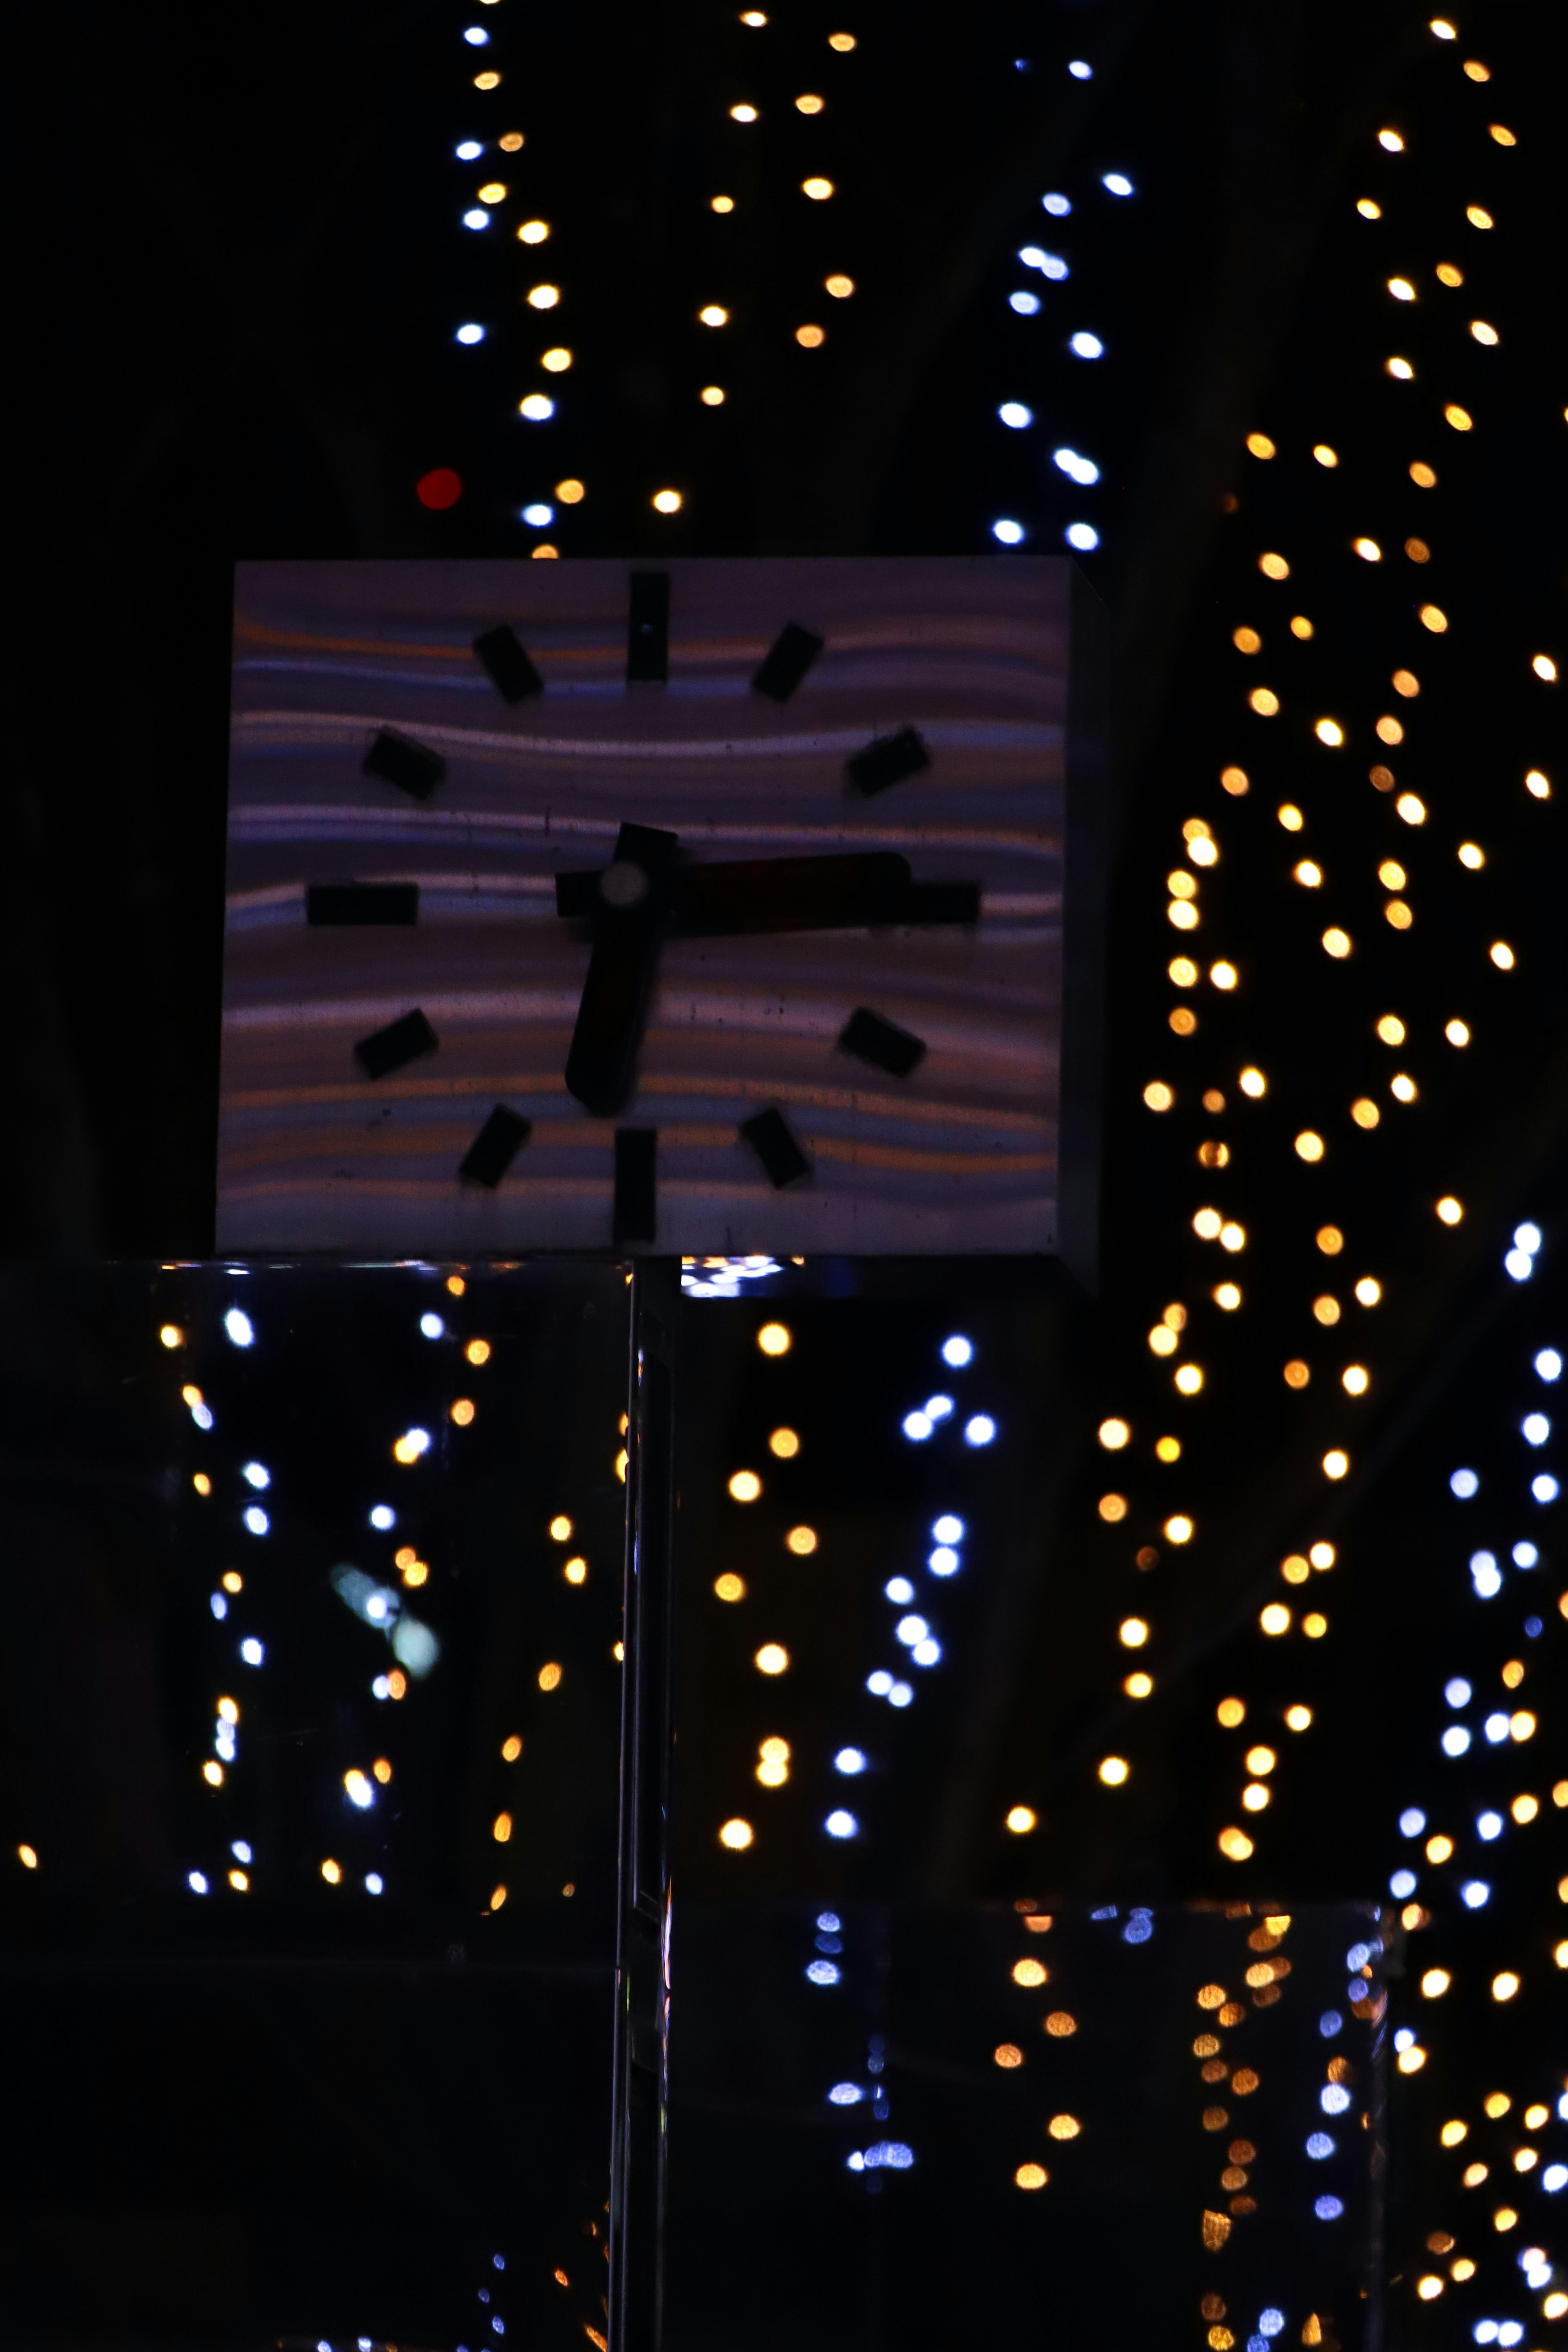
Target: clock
{"x":722,"y":907}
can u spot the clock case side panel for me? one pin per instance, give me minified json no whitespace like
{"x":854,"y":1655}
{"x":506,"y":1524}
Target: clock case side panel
{"x":1084,"y":928}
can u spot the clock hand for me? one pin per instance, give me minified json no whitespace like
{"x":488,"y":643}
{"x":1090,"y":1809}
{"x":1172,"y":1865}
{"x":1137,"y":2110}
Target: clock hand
{"x":629,"y":920}
{"x":847,"y":892}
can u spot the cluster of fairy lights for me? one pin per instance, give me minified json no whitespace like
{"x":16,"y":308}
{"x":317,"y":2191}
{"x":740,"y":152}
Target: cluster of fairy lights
{"x":1081,"y":342}
{"x":915,"y":1641}
{"x":492,"y":205}
{"x":1175,"y":1336}
{"x":247,"y":1492}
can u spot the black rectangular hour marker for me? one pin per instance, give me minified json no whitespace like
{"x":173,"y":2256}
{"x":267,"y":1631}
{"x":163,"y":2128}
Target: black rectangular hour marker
{"x":789,"y":657}
{"x":940,"y":902}
{"x":400,"y":1041}
{"x":770,"y":1138}
{"x":881,"y":1042}
{"x":495,"y":1147}
{"x":513,"y":675}
{"x":361,"y":902}
{"x":647,"y":629}
{"x":636,"y":1205}
{"x":889,"y":760}
{"x":399,"y":759}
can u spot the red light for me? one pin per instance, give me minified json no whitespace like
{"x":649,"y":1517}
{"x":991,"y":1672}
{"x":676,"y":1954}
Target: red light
{"x":440,"y":487}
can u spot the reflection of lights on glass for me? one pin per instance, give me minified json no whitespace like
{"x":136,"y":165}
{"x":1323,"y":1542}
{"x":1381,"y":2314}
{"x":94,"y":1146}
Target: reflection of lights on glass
{"x":240,"y":1327}
{"x":411,"y":1445}
{"x":358,"y":1788}
{"x":251,"y":1651}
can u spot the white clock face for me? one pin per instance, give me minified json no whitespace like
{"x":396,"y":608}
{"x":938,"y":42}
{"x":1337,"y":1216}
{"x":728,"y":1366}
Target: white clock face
{"x":531,"y":946}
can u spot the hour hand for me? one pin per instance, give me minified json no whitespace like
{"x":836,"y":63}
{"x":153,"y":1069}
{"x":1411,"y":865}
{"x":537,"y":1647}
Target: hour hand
{"x":629,"y":908}
{"x":845,"y":892}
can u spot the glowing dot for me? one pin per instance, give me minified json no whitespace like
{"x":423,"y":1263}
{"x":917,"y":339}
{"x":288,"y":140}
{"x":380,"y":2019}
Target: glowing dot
{"x":1275,"y":1619}
{"x":438,"y":488}
{"x":802,"y":1541}
{"x":1031,"y":2176}
{"x":1021,"y":1820}
{"x":811,"y":338}
{"x":1308,"y":1146}
{"x":1113,"y":1770}
{"x":773,"y":1658}
{"x":332,"y":1872}
{"x":730,"y":1587}
{"x":736,"y":1835}
{"x":538,"y":408}
{"x":839,"y":287}
{"x":773,"y":1339}
{"x":667,"y":501}
{"x":745,"y":1487}
{"x":818,"y":189}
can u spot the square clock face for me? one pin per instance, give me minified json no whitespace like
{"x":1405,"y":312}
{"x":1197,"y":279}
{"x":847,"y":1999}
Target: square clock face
{"x":712,"y":909}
